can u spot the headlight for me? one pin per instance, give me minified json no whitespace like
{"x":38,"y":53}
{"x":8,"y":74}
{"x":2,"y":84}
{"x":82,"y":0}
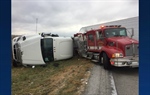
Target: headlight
{"x":116,"y":55}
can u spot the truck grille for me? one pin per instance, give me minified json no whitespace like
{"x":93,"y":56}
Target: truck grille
{"x":132,"y":50}
{"x":17,"y":53}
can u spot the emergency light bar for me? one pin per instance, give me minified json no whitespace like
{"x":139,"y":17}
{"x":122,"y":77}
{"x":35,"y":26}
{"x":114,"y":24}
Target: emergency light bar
{"x":114,"y":26}
{"x":110,"y":26}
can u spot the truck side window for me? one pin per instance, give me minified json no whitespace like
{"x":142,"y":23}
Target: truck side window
{"x":90,"y":37}
{"x":122,"y":32}
{"x":100,"y":35}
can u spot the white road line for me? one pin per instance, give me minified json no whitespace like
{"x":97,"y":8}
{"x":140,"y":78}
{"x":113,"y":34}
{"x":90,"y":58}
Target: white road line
{"x":114,"y":91}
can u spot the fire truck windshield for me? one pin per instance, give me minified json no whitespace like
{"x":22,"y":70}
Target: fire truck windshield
{"x":115,"y":32}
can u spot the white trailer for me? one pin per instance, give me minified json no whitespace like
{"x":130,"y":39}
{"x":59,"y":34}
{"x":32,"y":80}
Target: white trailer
{"x":40,"y":49}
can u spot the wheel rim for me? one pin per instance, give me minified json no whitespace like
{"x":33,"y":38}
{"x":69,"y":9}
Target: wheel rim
{"x":102,"y":60}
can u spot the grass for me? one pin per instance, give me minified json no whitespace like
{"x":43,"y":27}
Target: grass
{"x":62,"y":80}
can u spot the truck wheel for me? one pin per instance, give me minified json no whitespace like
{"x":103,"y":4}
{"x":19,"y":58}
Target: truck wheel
{"x":101,"y":59}
{"x":15,"y":64}
{"x":106,"y":62}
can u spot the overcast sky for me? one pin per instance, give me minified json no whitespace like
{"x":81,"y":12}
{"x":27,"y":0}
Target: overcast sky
{"x":66,"y":17}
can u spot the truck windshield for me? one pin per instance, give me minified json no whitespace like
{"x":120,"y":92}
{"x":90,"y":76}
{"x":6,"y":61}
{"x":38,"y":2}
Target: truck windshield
{"x":115,"y":32}
{"x":47,"y":49}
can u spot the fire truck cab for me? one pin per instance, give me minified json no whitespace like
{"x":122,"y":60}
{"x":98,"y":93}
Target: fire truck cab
{"x":108,"y":45}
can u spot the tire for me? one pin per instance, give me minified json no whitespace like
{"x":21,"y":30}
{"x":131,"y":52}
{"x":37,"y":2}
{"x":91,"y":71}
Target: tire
{"x":100,"y":59}
{"x":106,"y":62}
{"x":15,"y":64}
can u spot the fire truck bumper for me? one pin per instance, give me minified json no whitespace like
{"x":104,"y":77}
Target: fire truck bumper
{"x":125,"y":62}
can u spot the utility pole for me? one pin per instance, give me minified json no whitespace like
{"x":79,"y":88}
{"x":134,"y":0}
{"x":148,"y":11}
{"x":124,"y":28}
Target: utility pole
{"x":36,"y":24}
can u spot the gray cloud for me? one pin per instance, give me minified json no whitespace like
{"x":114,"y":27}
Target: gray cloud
{"x":67,"y":17}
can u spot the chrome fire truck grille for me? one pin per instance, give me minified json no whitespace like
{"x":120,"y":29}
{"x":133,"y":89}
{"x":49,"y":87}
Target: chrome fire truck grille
{"x":132,"y":50}
{"x":17,"y":53}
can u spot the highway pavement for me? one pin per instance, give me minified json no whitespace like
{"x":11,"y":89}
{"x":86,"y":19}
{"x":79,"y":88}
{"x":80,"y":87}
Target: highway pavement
{"x":118,"y":81}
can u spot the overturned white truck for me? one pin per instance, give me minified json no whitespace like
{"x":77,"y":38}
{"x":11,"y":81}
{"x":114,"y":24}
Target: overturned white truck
{"x":40,"y":49}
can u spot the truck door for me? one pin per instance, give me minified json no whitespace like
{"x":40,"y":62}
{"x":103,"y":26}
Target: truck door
{"x":100,"y":40}
{"x":47,"y":49}
{"x":91,"y":42}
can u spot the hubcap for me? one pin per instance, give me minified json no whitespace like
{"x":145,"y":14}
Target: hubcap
{"x":102,"y":60}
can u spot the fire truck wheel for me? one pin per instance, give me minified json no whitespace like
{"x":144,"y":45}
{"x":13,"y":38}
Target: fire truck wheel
{"x":106,"y":62}
{"x":101,"y":60}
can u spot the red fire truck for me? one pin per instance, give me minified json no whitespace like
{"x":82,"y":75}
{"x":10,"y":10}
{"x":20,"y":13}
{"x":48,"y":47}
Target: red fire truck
{"x":109,"y":46}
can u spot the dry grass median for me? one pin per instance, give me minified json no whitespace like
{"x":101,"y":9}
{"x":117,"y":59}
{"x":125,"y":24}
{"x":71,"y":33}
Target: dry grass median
{"x":69,"y":78}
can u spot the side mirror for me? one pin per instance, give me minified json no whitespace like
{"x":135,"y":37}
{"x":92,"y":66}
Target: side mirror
{"x":130,"y":32}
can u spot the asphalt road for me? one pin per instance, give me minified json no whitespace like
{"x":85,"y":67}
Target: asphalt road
{"x":126,"y":80}
{"x":118,"y":81}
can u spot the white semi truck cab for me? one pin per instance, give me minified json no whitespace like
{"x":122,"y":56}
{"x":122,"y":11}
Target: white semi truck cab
{"x":40,"y":49}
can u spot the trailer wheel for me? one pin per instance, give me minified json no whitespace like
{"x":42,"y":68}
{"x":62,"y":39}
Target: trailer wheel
{"x":106,"y":62}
